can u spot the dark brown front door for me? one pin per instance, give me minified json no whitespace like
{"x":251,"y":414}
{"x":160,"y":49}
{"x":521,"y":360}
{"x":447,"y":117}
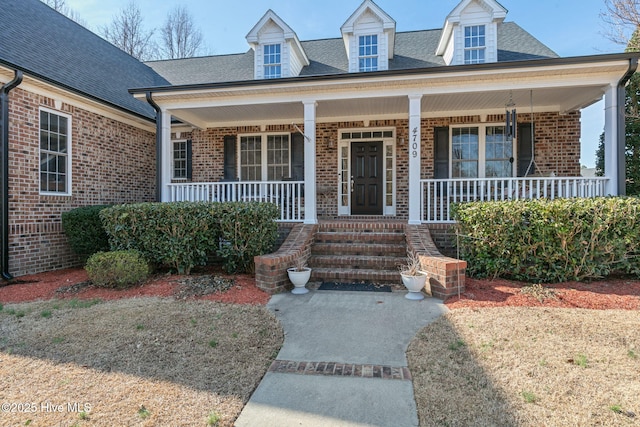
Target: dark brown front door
{"x":366,"y":172}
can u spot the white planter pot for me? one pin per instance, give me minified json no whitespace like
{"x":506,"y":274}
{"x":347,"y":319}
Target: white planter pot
{"x":414,"y":285}
{"x":299,"y":279}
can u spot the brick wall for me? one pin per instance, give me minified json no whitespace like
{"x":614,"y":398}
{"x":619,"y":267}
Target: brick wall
{"x":112,"y":162}
{"x":557,"y":150}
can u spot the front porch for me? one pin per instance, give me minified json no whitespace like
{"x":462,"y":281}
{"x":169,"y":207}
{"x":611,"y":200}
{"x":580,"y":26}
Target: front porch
{"x":436,"y":195}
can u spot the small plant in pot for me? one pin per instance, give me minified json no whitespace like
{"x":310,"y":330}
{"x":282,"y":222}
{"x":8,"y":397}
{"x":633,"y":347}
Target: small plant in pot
{"x":413,"y":278}
{"x":299,"y":276}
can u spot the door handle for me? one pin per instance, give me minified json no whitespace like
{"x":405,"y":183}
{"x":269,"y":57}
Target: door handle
{"x":352,"y":184}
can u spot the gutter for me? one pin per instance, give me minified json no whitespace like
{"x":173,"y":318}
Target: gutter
{"x":158,"y":145}
{"x":4,"y":174}
{"x":621,"y":96}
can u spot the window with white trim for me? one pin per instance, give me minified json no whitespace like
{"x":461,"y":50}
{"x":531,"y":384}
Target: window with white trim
{"x":474,"y":44}
{"x":368,"y":53}
{"x":272,"y":61}
{"x":265,"y":157}
{"x":481,"y":152}
{"x":55,"y":152}
{"x":180,"y":160}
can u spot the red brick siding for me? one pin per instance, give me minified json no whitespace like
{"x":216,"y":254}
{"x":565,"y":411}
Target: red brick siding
{"x":557,"y":150}
{"x":112,"y":162}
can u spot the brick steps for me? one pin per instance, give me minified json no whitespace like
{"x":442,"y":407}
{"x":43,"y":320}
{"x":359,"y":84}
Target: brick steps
{"x":347,"y":275}
{"x":358,"y":252}
{"x":370,"y":249}
{"x":374,"y":262}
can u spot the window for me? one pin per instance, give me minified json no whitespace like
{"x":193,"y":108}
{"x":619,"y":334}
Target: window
{"x":55,"y":158}
{"x":368,"y":53}
{"x":265,"y":157}
{"x":474,"y":44}
{"x":465,"y":144}
{"x":471,"y":144}
{"x":498,"y":153}
{"x":180,"y":160}
{"x":272,"y":61}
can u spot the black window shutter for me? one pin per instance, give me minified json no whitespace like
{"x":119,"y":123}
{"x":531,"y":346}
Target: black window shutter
{"x":189,"y":160}
{"x":230,"y":158}
{"x":525,"y":145}
{"x":297,"y":156}
{"x":441,"y":154}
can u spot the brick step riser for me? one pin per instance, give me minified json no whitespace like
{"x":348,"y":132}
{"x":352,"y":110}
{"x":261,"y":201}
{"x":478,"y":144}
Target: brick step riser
{"x":377,"y":227}
{"x":348,"y":249}
{"x":346,"y":275}
{"x":363,"y":238}
{"x":354,"y":262}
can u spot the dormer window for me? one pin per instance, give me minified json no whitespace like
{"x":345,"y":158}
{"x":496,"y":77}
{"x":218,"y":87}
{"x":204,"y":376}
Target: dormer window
{"x":474,"y":44}
{"x":272,"y":61}
{"x":368,"y":53}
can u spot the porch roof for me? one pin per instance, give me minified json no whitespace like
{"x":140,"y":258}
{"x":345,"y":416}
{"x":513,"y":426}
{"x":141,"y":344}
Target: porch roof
{"x":556,"y":84}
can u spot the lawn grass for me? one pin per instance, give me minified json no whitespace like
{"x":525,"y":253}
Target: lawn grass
{"x":142,"y":361}
{"x":528,"y":367}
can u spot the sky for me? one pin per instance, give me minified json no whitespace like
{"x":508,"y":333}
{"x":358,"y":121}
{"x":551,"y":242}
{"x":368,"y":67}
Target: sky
{"x":568,"y":27}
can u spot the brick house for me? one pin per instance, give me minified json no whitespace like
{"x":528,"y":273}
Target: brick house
{"x":371,"y":125}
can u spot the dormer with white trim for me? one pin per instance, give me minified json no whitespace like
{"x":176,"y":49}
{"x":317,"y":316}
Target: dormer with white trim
{"x":470,"y":33}
{"x":278,"y":52}
{"x":369,"y":38}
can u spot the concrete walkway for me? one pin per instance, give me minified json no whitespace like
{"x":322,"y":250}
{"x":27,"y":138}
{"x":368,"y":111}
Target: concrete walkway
{"x":343,"y":361}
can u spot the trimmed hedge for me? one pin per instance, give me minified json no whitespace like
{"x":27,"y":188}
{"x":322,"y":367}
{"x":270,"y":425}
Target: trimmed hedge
{"x":117,"y":269}
{"x":177,"y":235}
{"x":182,"y":234}
{"x":246,"y":231}
{"x":83,"y":228}
{"x":550,"y":240}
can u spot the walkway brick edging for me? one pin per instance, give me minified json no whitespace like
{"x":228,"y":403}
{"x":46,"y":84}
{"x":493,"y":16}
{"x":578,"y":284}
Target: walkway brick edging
{"x":271,"y":269}
{"x":446,"y":275}
{"x":341,"y":370}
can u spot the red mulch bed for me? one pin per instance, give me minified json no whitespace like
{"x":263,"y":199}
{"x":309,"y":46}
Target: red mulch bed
{"x":602,"y":295}
{"x":43,"y":286}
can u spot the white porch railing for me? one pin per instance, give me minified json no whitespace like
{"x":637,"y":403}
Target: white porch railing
{"x":439,"y":194}
{"x":288,"y":195}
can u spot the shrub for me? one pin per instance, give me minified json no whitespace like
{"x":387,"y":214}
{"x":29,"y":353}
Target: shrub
{"x":550,"y":240}
{"x":247,"y":230}
{"x":178,"y":235}
{"x":117,"y":269}
{"x":84,"y":230}
{"x":182,"y":234}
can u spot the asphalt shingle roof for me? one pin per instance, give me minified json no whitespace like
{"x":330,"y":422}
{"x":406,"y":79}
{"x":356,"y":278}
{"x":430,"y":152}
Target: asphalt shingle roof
{"x":414,"y":49}
{"x":40,"y":41}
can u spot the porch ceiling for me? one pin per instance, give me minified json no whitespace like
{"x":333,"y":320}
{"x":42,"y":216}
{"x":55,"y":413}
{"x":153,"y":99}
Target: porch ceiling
{"x":370,"y":107}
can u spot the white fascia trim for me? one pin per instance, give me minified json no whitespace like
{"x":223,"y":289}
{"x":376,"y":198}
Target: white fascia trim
{"x":44,"y":89}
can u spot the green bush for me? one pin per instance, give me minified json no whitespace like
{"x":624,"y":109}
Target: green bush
{"x":181,"y":235}
{"x":178,"y":235}
{"x":247,"y":230}
{"x":550,"y":240}
{"x":117,"y":269}
{"x":84,"y":230}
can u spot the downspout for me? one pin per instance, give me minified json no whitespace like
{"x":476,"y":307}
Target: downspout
{"x":621,"y":101}
{"x":158,"y":146}
{"x":4,"y":175}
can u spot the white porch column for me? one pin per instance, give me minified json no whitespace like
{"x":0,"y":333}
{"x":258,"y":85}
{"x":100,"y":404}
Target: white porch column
{"x":167,"y":155}
{"x":611,"y":140}
{"x":415,"y":110}
{"x":310,"y":193}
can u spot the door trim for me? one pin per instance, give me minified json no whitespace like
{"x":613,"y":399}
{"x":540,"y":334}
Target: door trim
{"x":389,"y":147}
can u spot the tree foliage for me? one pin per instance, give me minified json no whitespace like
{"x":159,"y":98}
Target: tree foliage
{"x":179,"y":36}
{"x":127,"y":32}
{"x":623,"y":18}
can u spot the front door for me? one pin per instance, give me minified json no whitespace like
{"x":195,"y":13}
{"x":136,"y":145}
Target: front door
{"x":366,"y":178}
